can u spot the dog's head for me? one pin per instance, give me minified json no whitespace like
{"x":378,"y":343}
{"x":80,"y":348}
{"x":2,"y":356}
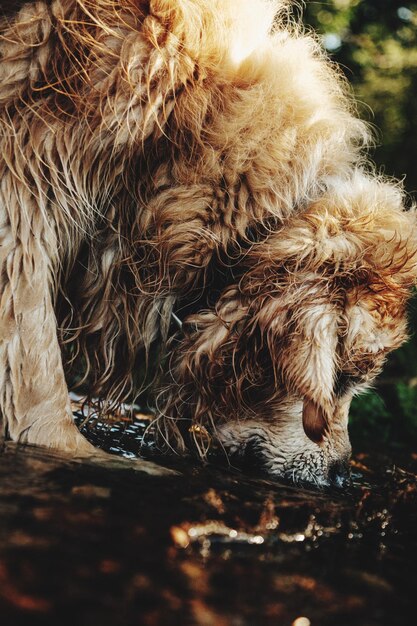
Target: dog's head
{"x":271,"y":369}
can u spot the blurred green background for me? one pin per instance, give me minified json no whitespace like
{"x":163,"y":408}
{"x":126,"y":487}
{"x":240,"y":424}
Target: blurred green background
{"x":375,"y":43}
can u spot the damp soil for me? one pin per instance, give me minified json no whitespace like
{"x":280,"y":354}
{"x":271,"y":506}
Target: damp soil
{"x":99,"y":545}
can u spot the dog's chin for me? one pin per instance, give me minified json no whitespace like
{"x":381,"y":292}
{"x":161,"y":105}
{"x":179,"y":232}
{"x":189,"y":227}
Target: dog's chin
{"x":255,"y":458}
{"x":282,"y":452}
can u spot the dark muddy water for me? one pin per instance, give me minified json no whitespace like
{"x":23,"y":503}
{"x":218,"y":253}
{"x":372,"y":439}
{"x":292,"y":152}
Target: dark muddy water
{"x":98,"y":545}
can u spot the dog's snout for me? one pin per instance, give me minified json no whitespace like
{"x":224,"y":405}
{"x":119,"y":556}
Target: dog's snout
{"x":252,"y":458}
{"x":339,"y":474}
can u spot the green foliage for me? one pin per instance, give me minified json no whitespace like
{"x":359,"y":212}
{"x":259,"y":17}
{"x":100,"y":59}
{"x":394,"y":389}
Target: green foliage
{"x":369,"y":419}
{"x":375,"y":43}
{"x":387,"y":415}
{"x":407,"y":397}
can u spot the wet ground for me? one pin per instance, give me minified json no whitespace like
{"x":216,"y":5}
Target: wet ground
{"x":87,"y":544}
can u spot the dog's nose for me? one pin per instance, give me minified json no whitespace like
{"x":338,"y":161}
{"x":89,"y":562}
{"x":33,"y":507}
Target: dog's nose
{"x":339,"y":474}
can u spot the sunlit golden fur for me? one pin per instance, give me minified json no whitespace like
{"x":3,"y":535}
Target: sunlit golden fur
{"x":201,"y":156}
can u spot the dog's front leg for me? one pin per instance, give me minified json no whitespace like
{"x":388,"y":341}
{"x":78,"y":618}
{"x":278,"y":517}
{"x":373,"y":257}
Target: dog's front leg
{"x":34,"y":401}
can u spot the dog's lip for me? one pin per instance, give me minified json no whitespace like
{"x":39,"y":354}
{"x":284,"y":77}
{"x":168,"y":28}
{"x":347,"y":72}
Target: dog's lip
{"x":314,"y":420}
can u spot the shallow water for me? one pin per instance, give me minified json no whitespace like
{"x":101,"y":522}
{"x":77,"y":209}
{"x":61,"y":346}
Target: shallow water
{"x":89,"y":544}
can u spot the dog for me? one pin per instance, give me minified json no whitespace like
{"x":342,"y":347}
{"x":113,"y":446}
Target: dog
{"x":185,"y":183}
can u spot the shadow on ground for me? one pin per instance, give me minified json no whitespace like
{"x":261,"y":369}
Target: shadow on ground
{"x":93,"y":545}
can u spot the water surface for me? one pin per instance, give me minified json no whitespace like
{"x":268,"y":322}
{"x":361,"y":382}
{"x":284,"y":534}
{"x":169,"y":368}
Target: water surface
{"x":98,"y":545}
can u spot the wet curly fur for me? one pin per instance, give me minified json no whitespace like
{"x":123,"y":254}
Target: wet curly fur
{"x":201,"y":157}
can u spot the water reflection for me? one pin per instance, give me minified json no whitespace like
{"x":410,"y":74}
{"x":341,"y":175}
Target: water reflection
{"x":206,"y":546}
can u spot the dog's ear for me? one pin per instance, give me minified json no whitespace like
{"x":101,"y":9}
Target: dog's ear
{"x":299,"y":322}
{"x":309,"y":359}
